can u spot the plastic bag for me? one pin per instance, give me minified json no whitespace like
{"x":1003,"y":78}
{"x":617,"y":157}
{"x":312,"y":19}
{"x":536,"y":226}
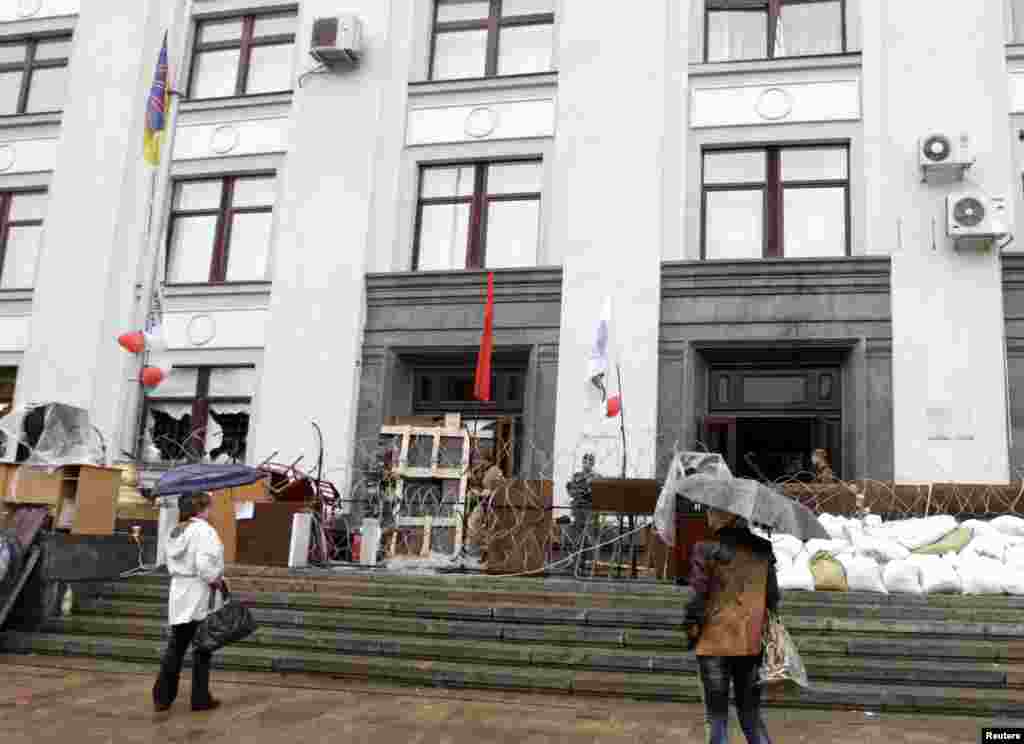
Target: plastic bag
{"x":863,"y":574}
{"x":954,"y":542}
{"x":1008,"y":524}
{"x":781,"y":661}
{"x":903,"y":577}
{"x":683,"y":465}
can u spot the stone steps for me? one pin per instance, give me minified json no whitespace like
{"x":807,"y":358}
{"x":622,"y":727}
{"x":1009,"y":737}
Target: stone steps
{"x":934,"y":655}
{"x":981,"y":621}
{"x":128,"y":614}
{"x":644,"y":686}
{"x":822,"y":667}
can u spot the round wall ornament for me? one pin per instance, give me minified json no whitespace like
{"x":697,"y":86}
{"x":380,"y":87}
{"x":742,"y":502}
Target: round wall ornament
{"x":481,"y":122}
{"x":201,"y":330}
{"x":224,"y":139}
{"x":774,"y":104}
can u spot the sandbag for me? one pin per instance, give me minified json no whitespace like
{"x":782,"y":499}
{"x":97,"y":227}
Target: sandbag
{"x":787,"y":545}
{"x":834,"y":525}
{"x":954,"y":542}
{"x":872,"y":521}
{"x":863,"y":574}
{"x":938,"y":576}
{"x":796,"y":577}
{"x":916,"y":533}
{"x":829,"y":574}
{"x":1013,"y":579}
{"x":991,"y":545}
{"x":979,"y":527}
{"x":981,"y":575}
{"x":832,"y":547}
{"x":903,"y":577}
{"x":1009,"y":524}
{"x":1015,"y":556}
{"x":882,"y":550}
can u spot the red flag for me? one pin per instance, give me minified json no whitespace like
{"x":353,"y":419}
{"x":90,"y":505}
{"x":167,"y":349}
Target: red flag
{"x":482,"y":388}
{"x":614,"y":406}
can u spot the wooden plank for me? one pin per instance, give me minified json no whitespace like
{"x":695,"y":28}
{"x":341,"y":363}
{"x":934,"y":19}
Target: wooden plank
{"x":222,"y":517}
{"x":96,"y":501}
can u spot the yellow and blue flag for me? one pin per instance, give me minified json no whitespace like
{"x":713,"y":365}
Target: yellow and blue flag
{"x":157,"y":106}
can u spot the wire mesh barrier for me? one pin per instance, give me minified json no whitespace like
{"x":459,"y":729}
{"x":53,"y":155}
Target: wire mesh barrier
{"x":454,"y":497}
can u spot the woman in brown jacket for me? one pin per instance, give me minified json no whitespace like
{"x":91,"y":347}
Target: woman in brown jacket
{"x":735,"y":585}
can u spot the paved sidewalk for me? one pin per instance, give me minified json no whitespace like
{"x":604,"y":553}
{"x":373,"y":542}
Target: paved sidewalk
{"x":45,"y":700}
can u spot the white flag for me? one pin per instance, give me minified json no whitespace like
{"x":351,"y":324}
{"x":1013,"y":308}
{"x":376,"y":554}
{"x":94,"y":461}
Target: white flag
{"x":597,"y":368}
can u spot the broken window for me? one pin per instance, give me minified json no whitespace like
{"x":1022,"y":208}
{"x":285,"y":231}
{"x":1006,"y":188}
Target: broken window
{"x":201,"y":414}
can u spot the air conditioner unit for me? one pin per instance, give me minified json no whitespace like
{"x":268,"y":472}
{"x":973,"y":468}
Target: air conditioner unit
{"x":975,"y":220}
{"x":944,"y":155}
{"x":337,"y":39}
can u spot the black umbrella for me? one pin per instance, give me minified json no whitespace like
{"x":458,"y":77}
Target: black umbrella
{"x":203,"y":477}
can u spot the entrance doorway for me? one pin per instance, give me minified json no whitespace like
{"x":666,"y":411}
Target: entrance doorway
{"x":767,"y":423}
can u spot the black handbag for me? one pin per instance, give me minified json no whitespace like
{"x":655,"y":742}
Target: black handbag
{"x":232,"y":622}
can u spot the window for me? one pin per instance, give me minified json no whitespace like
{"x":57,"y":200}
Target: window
{"x":33,"y":74}
{"x":776,"y":202}
{"x":21,"y":229}
{"x":761,"y":29}
{"x":478,"y":215}
{"x":220,"y":229}
{"x":487,"y":38}
{"x":200,"y":413}
{"x":242,"y":56}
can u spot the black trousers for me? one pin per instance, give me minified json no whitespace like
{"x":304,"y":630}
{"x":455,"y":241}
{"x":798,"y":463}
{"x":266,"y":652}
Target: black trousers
{"x":166,"y":688}
{"x":716,"y":673}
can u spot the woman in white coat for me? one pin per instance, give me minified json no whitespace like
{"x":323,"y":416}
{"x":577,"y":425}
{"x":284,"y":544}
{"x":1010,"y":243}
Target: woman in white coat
{"x":195,"y":560}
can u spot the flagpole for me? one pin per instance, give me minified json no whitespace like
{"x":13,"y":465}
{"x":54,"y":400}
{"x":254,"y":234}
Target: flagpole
{"x":160,"y":182}
{"x":622,"y":419}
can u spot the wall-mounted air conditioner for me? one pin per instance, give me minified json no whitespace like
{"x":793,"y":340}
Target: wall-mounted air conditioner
{"x":337,"y":40}
{"x":975,"y":220}
{"x":944,"y":156}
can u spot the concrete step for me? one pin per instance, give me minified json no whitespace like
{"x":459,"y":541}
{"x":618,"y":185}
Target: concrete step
{"x":845,"y":668}
{"x":858,"y":644}
{"x":670,"y":687}
{"x":977,"y":622}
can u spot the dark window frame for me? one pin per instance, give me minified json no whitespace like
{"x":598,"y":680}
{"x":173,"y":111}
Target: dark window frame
{"x":493,"y":24}
{"x":773,"y":189}
{"x":225,"y":212}
{"x":201,"y":403}
{"x":772,"y":9}
{"x":6,"y":223}
{"x":479,"y":201}
{"x":245,"y":44}
{"x":29,"y":65}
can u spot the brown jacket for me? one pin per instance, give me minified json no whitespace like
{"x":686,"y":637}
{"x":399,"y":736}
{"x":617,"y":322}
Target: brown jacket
{"x":734,"y":585}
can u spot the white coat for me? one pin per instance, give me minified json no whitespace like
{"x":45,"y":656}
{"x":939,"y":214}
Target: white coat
{"x":195,"y":559}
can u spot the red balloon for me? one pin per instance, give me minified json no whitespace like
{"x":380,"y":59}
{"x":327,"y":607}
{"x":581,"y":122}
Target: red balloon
{"x":614,"y":406}
{"x":152,"y":376}
{"x":133,"y":342}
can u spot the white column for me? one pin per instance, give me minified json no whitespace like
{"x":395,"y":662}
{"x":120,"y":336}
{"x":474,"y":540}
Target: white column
{"x":89,"y":262}
{"x":315,"y":330}
{"x":618,"y":134}
{"x":927,"y":71}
